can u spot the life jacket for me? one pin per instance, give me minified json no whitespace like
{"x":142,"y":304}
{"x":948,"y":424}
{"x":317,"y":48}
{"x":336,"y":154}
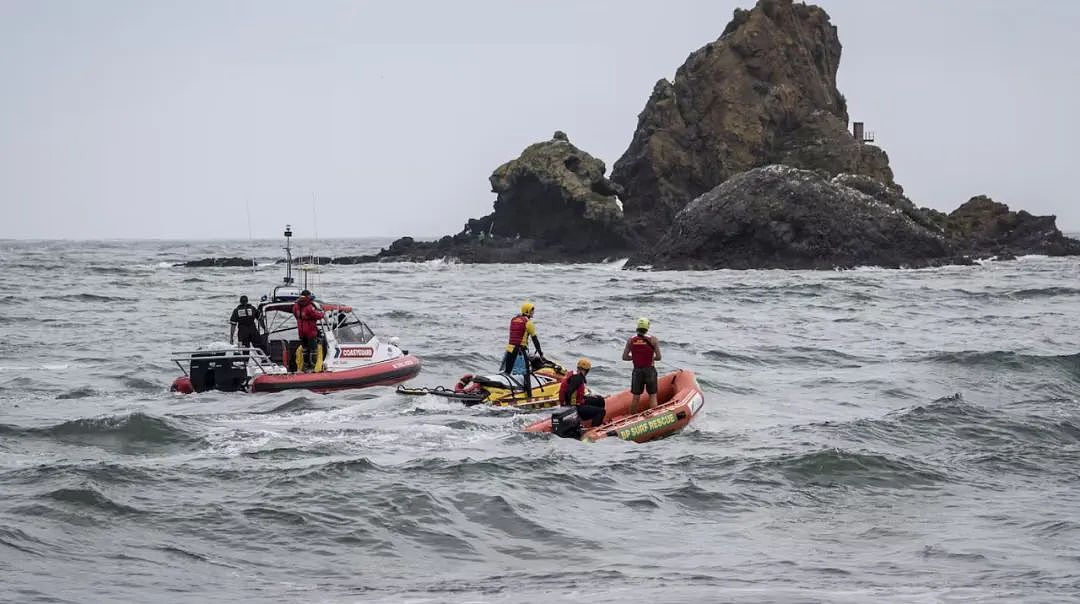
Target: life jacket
{"x":517,"y":330}
{"x":641,"y":351}
{"x":572,"y":389}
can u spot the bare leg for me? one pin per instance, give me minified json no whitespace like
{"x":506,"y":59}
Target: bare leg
{"x":634,"y":403}
{"x":652,"y":401}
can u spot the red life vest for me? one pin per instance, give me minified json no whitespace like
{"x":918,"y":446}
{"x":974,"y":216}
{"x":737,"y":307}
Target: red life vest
{"x":572,"y":389}
{"x":641,"y":351}
{"x":517,"y":330}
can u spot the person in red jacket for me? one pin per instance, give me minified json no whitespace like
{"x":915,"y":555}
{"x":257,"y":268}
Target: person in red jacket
{"x":572,"y":393}
{"x":644,"y":351}
{"x":307,"y":326}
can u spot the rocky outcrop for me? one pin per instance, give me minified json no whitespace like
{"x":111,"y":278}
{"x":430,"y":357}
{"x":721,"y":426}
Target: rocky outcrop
{"x":893,"y":195}
{"x":743,"y":160}
{"x":983,"y":227}
{"x":554,"y":204}
{"x":555,"y":193}
{"x":764,"y":93}
{"x":207,"y":262}
{"x":782,"y":217}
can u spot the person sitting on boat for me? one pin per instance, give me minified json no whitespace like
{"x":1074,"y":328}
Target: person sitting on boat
{"x":572,"y":393}
{"x":521,"y":329}
{"x":307,"y":327}
{"x":244,"y":323}
{"x":644,"y":351}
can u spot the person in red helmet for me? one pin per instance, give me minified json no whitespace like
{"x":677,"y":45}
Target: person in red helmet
{"x":307,"y":326}
{"x":572,"y":393}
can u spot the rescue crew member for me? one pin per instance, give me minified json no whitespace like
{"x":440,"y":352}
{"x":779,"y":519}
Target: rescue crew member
{"x":307,"y":327}
{"x":521,"y":329}
{"x":643,"y":350}
{"x":572,"y":393}
{"x":245,"y":322}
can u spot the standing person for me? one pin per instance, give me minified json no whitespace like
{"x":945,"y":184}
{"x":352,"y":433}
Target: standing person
{"x":307,"y":327}
{"x":244,"y":322}
{"x":572,"y":393}
{"x":643,"y":350}
{"x":521,"y":329}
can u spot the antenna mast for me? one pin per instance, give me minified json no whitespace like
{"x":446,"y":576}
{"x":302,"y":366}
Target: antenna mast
{"x":288,"y":255}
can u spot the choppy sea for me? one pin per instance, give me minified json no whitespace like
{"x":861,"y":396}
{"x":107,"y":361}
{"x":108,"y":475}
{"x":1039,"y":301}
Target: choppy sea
{"x":868,"y":436}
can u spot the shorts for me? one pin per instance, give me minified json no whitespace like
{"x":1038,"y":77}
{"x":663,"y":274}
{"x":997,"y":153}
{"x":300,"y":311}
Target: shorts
{"x":643,"y":379}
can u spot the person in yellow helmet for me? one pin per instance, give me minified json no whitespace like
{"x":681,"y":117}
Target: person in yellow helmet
{"x":572,"y":393}
{"x":521,"y":329}
{"x":644,"y":351}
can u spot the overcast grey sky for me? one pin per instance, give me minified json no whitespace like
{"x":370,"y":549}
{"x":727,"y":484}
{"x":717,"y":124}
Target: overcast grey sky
{"x":144,"y":119}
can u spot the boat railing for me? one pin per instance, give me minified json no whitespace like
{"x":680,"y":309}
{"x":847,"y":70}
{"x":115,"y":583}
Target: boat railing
{"x":224,"y":354}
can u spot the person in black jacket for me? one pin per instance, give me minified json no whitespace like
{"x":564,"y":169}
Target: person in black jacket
{"x":245,"y":322}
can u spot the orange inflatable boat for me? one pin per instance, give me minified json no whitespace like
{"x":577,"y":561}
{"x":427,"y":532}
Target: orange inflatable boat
{"x":678,"y":397}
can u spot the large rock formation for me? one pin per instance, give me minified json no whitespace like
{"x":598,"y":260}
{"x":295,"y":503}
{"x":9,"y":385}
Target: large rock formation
{"x":764,"y":93}
{"x":743,"y":160}
{"x":982,"y":226}
{"x":782,"y":217}
{"x":557,"y":194}
{"x":554,"y":204}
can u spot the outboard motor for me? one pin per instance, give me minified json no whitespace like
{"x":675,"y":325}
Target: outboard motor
{"x":566,"y":423}
{"x":217,"y":371}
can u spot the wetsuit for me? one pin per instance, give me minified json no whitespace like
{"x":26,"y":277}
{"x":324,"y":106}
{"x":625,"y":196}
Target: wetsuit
{"x":572,"y":392}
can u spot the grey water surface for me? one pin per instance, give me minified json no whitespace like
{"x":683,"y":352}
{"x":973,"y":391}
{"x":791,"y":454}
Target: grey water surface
{"x":868,"y":435}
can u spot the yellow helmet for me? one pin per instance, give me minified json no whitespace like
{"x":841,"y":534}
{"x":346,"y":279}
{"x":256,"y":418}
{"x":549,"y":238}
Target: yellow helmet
{"x":584,"y":364}
{"x":527,"y":308}
{"x":643,"y":323}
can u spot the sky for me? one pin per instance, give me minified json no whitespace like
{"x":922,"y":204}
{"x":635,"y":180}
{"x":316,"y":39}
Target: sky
{"x":206,"y":119}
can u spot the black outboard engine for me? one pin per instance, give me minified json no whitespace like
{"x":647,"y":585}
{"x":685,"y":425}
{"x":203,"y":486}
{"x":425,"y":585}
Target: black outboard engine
{"x":218,"y":371}
{"x":566,"y":423}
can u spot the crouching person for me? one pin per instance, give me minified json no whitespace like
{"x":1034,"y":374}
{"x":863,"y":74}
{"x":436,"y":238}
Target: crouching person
{"x":572,"y":393}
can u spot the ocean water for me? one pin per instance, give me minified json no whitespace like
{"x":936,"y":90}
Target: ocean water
{"x":868,"y":435}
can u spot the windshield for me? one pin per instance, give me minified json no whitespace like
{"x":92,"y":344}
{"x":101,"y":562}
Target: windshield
{"x":348,"y":329}
{"x":280,"y":323}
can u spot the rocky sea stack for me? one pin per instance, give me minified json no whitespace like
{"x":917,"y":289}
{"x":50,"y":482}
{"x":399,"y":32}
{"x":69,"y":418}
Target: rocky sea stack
{"x":744,"y":160}
{"x":554,"y":204}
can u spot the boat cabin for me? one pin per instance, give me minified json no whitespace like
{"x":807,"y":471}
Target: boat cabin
{"x":344,"y":338}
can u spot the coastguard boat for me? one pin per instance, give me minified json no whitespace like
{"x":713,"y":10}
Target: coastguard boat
{"x":349,"y":354}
